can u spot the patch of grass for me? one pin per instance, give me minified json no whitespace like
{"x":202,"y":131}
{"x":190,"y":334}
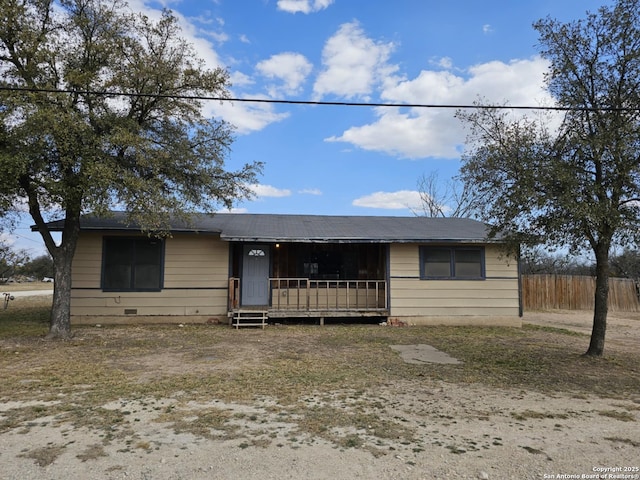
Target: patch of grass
{"x":618,"y":415}
{"x":211,"y":423}
{"x":456,"y":450}
{"x":625,"y":441}
{"x":92,"y":452}
{"x":27,"y":416}
{"x":559,"y":331}
{"x":328,"y":421}
{"x":44,"y":456}
{"x":528,"y":414}
{"x":143,"y":445}
{"x":21,"y":287}
{"x":261,"y":442}
{"x":27,"y":320}
{"x":533,"y":451}
{"x":351,"y":441}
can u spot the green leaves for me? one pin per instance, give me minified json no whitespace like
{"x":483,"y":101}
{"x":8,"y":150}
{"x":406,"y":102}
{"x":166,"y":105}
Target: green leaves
{"x":149,"y":150}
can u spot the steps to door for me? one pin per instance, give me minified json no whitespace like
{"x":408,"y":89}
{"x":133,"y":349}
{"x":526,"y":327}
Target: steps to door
{"x":249,"y":318}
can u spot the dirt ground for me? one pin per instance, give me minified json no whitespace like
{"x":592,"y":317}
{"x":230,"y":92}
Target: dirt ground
{"x":623,"y":328}
{"x":456,"y":431}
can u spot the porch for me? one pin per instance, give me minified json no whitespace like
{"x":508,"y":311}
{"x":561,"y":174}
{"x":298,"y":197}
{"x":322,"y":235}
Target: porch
{"x":309,"y":279}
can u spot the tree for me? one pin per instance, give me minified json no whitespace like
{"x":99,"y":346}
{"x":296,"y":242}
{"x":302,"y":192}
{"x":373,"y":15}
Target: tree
{"x":453,"y":199}
{"x":578,"y":185}
{"x":39,"y":267}
{"x":626,"y":264}
{"x":10,"y":260}
{"x":127,"y":131}
{"x":537,"y":260}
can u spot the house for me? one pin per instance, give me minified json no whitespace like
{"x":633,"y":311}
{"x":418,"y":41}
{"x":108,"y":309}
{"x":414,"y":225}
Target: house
{"x":413,"y":270}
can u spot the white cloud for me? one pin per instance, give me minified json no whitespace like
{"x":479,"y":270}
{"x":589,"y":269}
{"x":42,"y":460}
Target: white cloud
{"x":236,"y":210}
{"x":218,"y":37}
{"x":434,"y":132}
{"x":310,"y":191}
{"x":239,"y":79}
{"x":264,"y":191}
{"x":487,"y":29}
{"x":405,"y":136}
{"x":303,"y":6}
{"x":353,"y":63}
{"x":400,"y":200}
{"x":290,"y":68}
{"x":444,"y":62}
{"x":247,"y":117}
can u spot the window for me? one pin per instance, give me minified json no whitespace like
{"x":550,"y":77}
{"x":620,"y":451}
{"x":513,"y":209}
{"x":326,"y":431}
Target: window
{"x":132,"y":264}
{"x":452,"y":263}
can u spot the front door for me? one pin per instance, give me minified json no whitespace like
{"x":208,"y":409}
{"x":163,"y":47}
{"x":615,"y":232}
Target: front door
{"x":255,"y":275}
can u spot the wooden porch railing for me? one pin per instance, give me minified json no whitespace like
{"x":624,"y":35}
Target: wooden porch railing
{"x":304,"y":294}
{"x":234,"y":293}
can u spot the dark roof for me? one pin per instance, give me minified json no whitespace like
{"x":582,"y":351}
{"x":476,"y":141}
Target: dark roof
{"x":311,"y":228}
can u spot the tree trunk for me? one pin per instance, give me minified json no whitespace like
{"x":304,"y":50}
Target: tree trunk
{"x":596,"y":345}
{"x":60,"y":320}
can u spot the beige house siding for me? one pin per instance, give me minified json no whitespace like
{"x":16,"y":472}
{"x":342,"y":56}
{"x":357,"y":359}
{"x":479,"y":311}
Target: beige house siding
{"x":196,"y":276}
{"x":493,"y":300}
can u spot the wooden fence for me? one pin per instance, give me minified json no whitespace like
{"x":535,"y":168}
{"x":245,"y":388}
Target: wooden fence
{"x":573,"y":292}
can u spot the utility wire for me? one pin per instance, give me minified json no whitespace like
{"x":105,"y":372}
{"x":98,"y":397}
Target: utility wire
{"x":322,"y":103}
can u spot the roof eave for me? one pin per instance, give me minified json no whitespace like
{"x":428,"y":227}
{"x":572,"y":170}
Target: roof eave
{"x":243,"y":239}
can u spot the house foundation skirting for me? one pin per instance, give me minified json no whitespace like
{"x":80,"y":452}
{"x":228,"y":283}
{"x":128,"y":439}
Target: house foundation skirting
{"x":459,"y":321}
{"x":326,"y":313}
{"x":148,"y":319}
{"x":280,"y":315}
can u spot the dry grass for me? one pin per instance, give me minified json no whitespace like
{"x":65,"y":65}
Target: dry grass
{"x":46,"y":455}
{"x":288,"y":362}
{"x":21,"y":287}
{"x":299,"y":368}
{"x":25,"y":317}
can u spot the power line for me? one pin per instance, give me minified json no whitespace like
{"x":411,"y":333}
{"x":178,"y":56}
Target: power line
{"x":24,"y":237}
{"x":320,"y":103}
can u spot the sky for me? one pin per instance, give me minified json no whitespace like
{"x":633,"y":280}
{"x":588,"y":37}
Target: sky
{"x":339,"y":160}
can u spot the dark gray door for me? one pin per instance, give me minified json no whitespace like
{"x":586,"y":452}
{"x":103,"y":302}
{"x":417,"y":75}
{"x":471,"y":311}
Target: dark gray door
{"x":255,"y":275}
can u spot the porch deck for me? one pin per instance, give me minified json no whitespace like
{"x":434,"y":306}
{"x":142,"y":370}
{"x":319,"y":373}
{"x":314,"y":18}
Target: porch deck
{"x":304,"y":297}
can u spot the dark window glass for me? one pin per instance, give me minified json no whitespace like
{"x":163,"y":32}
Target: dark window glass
{"x":452,"y":263}
{"x":437,"y":262}
{"x":132,"y":264}
{"x":468,"y":264}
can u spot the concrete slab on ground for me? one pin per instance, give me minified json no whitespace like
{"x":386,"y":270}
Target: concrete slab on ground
{"x":422,"y":353}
